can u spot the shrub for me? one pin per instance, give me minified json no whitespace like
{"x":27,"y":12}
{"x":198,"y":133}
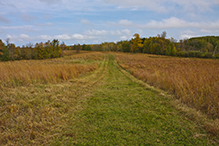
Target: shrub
{"x":195,"y":54}
{"x":217,"y":55}
{"x":207,"y":55}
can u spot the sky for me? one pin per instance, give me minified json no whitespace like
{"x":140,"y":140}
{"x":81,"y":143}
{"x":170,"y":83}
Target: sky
{"x":97,"y":21}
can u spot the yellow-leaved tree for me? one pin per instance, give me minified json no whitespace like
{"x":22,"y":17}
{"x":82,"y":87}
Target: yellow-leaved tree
{"x":136,"y":43}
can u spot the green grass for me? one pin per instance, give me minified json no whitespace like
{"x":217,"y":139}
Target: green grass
{"x":105,"y":107}
{"x":119,"y":111}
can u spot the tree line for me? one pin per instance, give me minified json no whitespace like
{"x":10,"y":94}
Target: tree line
{"x":201,"y":47}
{"x":38,"y":51}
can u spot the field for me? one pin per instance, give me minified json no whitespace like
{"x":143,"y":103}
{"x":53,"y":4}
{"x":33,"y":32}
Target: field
{"x":194,"y":81}
{"x":46,"y":71}
{"x":88,"y":99}
{"x":37,"y":95}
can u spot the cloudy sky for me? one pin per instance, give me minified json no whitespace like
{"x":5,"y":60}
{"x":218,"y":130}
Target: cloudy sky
{"x":96,"y":21}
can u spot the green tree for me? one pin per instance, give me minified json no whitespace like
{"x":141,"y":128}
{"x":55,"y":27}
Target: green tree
{"x":56,"y":50}
{"x":40,"y":50}
{"x":126,"y":47}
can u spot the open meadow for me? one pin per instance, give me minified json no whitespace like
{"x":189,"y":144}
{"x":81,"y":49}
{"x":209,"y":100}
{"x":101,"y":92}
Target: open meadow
{"x":90,"y":98}
{"x":194,"y":81}
{"x":35,"y":95}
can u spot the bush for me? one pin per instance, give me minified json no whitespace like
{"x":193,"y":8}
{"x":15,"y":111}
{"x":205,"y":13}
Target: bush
{"x":207,"y":55}
{"x":185,"y":54}
{"x":217,"y":55}
{"x":180,"y":53}
{"x":195,"y":54}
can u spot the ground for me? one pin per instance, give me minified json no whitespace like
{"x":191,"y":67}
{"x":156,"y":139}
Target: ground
{"x":119,"y":111}
{"x":105,"y":107}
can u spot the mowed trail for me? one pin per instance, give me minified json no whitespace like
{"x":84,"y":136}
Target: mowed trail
{"x":114,"y":110}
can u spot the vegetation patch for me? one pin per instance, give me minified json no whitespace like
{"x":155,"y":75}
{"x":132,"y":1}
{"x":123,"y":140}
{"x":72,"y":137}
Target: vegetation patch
{"x":193,"y":81}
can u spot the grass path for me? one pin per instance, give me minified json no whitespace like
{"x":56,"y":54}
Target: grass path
{"x":118,"y":111}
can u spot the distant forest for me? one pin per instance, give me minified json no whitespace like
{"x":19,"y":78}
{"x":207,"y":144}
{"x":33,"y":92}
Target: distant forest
{"x":200,"y":47}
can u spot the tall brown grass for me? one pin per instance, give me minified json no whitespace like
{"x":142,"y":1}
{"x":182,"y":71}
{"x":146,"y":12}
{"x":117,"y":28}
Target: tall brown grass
{"x":193,"y":81}
{"x":35,"y":114}
{"x":14,"y":73}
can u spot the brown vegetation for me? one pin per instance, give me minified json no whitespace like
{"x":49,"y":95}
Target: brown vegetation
{"x":193,"y":81}
{"x":45,"y":71}
{"x":35,"y":114}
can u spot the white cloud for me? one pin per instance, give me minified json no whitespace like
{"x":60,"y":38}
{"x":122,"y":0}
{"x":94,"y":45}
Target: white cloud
{"x":185,"y":36}
{"x":169,"y":23}
{"x":96,"y":32}
{"x":78,"y":36}
{"x":17,"y":27}
{"x":14,"y":38}
{"x":209,"y":31}
{"x":127,"y":31}
{"x":172,"y":22}
{"x":117,"y":32}
{"x":63,"y":37}
{"x":125,"y":22}
{"x":44,"y":37}
{"x":165,"y":5}
{"x":25,"y":36}
{"x":85,"y":21}
{"x":123,"y":38}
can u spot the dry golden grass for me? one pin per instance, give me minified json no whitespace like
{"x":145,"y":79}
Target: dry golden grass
{"x":35,"y":114}
{"x":46,"y":71}
{"x":193,"y":81}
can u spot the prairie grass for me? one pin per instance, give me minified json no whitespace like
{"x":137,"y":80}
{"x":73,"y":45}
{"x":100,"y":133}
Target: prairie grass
{"x":194,"y":81}
{"x":102,"y":108}
{"x":36,"y":100}
{"x":46,"y":71}
{"x":120,"y":111}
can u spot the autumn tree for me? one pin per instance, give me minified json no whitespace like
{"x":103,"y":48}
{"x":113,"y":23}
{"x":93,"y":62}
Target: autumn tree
{"x":40,"y":50}
{"x":136,"y":43}
{"x":56,"y":50}
{"x":2,"y":46}
{"x":63,"y":46}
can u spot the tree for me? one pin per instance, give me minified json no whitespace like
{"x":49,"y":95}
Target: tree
{"x":2,"y":46}
{"x":126,"y":47}
{"x":40,"y":50}
{"x":118,"y":46}
{"x":4,"y":53}
{"x":164,"y":34}
{"x":56,"y":50}
{"x":78,"y":48}
{"x":83,"y":47}
{"x":209,"y":47}
{"x":63,"y":46}
{"x":136,"y":43}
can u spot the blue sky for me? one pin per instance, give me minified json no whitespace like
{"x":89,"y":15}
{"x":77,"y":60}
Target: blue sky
{"x":96,"y":21}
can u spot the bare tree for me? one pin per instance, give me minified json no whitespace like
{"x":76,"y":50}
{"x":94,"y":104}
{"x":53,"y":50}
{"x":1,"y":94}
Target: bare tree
{"x":7,"y":41}
{"x":78,"y":48}
{"x":164,"y":34}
